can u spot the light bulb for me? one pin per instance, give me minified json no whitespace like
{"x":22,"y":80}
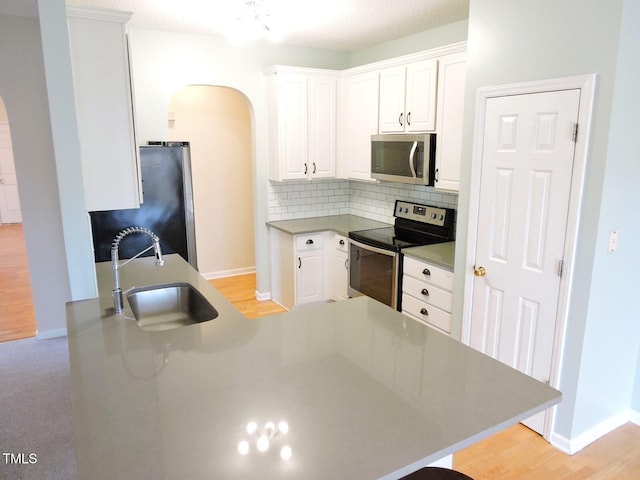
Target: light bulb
{"x":283,"y":427}
{"x":243,"y":447}
{"x":252,"y":427}
{"x":285,"y":452}
{"x":263,"y":443}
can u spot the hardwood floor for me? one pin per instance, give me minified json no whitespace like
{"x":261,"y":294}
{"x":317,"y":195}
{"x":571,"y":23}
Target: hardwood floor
{"x":16,"y":306}
{"x":515,"y":453}
{"x":240,"y":290}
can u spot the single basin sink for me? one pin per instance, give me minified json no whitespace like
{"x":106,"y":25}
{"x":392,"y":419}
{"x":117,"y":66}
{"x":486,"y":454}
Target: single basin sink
{"x":164,"y":307}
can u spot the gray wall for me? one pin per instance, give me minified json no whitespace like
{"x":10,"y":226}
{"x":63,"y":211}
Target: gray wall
{"x":517,"y":41}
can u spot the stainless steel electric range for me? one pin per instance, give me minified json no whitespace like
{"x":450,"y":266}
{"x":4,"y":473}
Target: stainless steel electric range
{"x":375,"y":256}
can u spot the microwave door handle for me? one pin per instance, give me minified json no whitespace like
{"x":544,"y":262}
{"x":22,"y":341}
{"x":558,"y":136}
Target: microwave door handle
{"x":412,"y":154}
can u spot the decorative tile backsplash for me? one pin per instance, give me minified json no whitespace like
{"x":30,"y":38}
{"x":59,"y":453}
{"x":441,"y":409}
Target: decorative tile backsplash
{"x":315,"y":198}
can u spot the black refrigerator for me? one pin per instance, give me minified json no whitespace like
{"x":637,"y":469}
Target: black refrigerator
{"x":166,"y":209}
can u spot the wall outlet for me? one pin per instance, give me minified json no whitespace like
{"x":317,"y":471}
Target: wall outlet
{"x":613,"y":241}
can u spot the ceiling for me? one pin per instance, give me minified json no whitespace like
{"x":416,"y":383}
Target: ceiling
{"x":345,"y":25}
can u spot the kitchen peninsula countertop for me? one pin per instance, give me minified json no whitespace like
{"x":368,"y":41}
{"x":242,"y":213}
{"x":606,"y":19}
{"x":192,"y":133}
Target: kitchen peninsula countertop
{"x":341,"y":224}
{"x":439,"y":254}
{"x":366,"y":392}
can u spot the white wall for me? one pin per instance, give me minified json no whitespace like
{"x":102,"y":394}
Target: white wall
{"x":519,"y":41}
{"x":216,"y":121}
{"x":164,"y":62}
{"x":23,"y":90}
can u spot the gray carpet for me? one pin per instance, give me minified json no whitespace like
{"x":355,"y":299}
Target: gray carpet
{"x":35,"y":411}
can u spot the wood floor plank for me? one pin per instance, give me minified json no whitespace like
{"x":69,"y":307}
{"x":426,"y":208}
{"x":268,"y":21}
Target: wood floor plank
{"x":17,"y":319}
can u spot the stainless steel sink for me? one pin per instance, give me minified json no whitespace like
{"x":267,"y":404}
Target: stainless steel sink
{"x":164,"y":307}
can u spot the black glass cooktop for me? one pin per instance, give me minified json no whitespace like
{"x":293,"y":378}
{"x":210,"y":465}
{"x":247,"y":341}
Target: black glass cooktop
{"x":391,"y":238}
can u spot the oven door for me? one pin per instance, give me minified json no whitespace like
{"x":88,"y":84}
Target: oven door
{"x":373,"y":272}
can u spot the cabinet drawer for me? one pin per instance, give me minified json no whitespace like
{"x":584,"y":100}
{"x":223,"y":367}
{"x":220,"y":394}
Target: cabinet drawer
{"x":341,"y":243}
{"x":428,"y":293}
{"x":429,"y":273}
{"x":308,"y":242}
{"x":426,"y":313}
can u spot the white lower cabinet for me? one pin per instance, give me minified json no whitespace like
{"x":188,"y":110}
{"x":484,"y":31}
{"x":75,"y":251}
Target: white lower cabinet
{"x":427,"y":293}
{"x":309,"y":269}
{"x":299,"y":274}
{"x":340,"y":267}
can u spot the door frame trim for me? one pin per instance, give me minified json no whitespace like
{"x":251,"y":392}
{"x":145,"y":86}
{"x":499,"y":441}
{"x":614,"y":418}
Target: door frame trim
{"x":587,"y":86}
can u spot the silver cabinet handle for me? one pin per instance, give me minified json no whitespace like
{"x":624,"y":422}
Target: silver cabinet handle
{"x":346,"y":264}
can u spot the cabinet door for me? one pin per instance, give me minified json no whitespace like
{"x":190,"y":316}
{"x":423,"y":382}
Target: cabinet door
{"x":322,"y":98}
{"x":420,"y":101}
{"x":358,"y":122}
{"x":104,"y":108}
{"x":340,"y":268}
{"x":309,"y":277}
{"x":292,"y":126}
{"x":451,"y":84}
{"x":392,"y":100}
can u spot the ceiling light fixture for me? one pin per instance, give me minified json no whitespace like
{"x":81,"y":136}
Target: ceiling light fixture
{"x":253,"y":22}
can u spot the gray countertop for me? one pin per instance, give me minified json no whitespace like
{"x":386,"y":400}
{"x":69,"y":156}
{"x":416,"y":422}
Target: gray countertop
{"x":439,"y":254}
{"x":342,"y":224}
{"x":366,"y":392}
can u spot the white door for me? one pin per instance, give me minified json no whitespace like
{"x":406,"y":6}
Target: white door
{"x":9,"y":201}
{"x":527,"y":165}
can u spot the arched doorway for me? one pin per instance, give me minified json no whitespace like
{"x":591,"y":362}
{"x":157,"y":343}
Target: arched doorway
{"x":16,"y":305}
{"x":217,"y":122}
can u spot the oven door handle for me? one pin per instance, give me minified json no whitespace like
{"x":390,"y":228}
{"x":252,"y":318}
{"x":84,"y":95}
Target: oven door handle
{"x":412,"y":155}
{"x":364,"y":246}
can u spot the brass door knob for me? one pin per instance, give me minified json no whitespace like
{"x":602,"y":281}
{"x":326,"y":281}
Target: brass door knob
{"x":479,"y":271}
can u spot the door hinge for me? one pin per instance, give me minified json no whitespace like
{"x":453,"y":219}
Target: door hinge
{"x":575,"y":133}
{"x":560,"y":267}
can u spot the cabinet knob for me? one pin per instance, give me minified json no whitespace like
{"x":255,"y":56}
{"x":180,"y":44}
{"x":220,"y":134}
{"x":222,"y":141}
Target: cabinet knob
{"x":424,"y":311}
{"x":341,"y":242}
{"x":425,"y":292}
{"x":426,"y":271}
{"x":309,"y":242}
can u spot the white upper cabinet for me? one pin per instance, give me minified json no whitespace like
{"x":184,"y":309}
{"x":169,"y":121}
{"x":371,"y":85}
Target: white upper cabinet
{"x":358,"y":121}
{"x":452,"y":73}
{"x":104,"y":106}
{"x":408,"y":97}
{"x":301,"y":110}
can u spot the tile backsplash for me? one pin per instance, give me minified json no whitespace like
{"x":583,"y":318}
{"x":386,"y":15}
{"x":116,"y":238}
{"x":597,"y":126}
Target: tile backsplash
{"x":315,"y":198}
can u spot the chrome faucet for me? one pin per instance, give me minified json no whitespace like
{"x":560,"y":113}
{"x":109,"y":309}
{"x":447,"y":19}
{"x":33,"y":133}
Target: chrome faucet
{"x":116,"y":265}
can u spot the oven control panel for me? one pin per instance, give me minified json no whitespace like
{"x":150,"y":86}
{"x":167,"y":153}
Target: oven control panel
{"x":420,"y":213}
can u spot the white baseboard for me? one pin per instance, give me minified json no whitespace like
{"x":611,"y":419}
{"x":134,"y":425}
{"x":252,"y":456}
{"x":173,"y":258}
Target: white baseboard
{"x":263,"y":295}
{"x":228,"y":273}
{"x":46,"y":335}
{"x":577,"y":443}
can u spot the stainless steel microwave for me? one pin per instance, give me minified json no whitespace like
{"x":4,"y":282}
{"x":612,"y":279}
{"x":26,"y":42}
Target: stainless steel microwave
{"x":406,"y":158}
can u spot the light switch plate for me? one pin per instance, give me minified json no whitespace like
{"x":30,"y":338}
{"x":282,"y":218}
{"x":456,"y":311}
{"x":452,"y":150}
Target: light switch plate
{"x":613,"y":241}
